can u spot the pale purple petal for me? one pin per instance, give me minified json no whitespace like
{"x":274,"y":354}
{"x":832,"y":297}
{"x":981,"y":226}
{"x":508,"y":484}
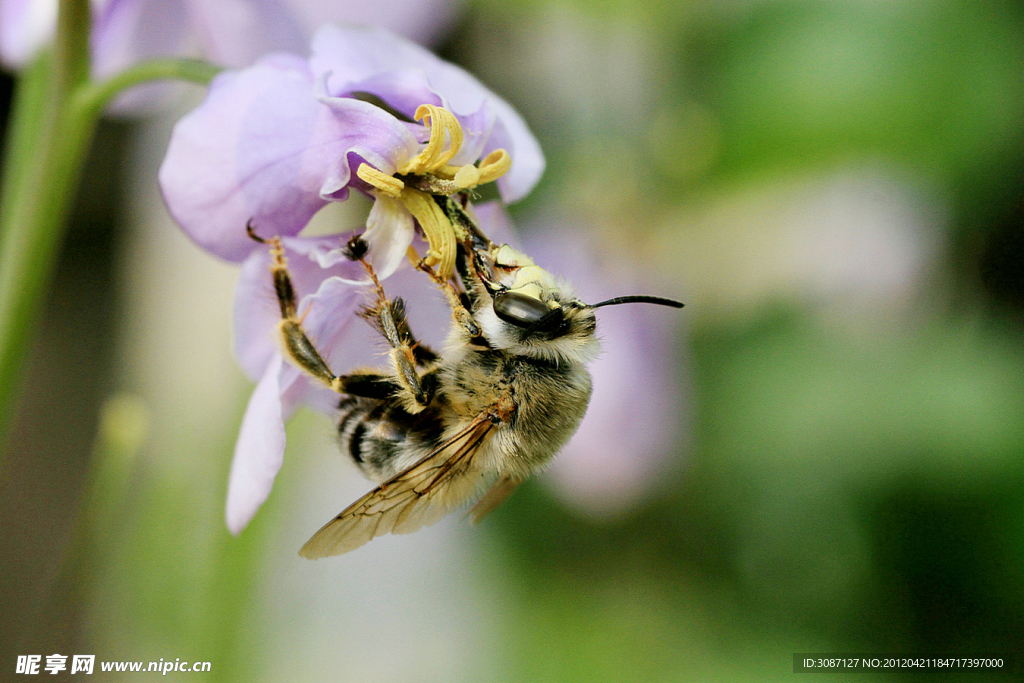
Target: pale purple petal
{"x":401,"y":147}
{"x":511,"y":133}
{"x":374,"y":60}
{"x":128,"y":31}
{"x":123,"y":31}
{"x":255,"y":315}
{"x":347,"y":342}
{"x":389,"y":232}
{"x":356,"y":53}
{"x":331,"y":323}
{"x":352,"y":334}
{"x":495,"y":223}
{"x":404,"y":91}
{"x":259,"y":450}
{"x":262,"y":147}
{"x":25,"y":26}
{"x":234,"y":33}
{"x":422,"y":21}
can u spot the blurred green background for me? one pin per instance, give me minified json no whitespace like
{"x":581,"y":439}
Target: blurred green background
{"x":835,"y":189}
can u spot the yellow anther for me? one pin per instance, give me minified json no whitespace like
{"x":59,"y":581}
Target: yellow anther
{"x":436,"y":227}
{"x":388,"y":185}
{"x":443,"y":125}
{"x":494,"y":165}
{"x":431,"y":259}
{"x":445,"y":172}
{"x":467,"y":177}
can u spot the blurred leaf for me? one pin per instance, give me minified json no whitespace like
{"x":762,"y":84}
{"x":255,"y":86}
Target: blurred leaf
{"x":791,"y":397}
{"x":937,"y":85}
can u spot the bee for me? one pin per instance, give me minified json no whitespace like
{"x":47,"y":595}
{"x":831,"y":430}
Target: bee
{"x":472,"y":422}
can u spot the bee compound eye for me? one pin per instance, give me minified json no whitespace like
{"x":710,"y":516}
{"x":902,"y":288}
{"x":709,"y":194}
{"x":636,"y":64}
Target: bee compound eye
{"x":519,"y":309}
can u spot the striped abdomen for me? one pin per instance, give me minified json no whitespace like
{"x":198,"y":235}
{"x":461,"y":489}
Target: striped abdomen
{"x":382,"y":438}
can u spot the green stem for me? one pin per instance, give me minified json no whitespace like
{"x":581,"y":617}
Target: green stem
{"x":49,"y":136}
{"x":71,"y":48}
{"x":33,"y":219}
{"x":28,"y":112}
{"x":94,"y":96}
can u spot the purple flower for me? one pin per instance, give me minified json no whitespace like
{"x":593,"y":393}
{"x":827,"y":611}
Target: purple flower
{"x":228,"y":32}
{"x":278,"y":141}
{"x":275,"y":143}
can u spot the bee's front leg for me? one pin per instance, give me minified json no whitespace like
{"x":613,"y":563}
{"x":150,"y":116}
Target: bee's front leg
{"x":388,"y":317}
{"x":463,"y":318}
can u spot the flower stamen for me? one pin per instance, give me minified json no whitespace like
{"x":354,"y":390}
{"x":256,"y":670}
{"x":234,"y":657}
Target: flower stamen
{"x":427,"y":175}
{"x":493,"y":166}
{"x":443,"y":125}
{"x":389,"y":185}
{"x":436,"y":228}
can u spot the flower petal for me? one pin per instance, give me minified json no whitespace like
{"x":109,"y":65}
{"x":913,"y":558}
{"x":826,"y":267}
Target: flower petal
{"x":262,"y":147}
{"x":511,"y":134}
{"x":376,"y":61}
{"x":235,"y":33}
{"x":25,"y":26}
{"x":389,"y":232}
{"x":128,"y":31}
{"x":343,"y":339}
{"x":421,"y":21}
{"x":259,"y":450}
{"x":495,"y":223}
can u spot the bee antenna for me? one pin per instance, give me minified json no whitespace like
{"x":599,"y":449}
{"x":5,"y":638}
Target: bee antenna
{"x":661,"y":301}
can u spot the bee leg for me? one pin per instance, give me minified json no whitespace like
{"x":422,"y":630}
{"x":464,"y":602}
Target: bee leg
{"x":296,"y":343}
{"x":369,"y":384}
{"x":463,"y":318}
{"x":389,"y":319}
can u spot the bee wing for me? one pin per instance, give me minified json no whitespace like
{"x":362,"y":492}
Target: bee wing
{"x":494,"y":497}
{"x":417,"y":497}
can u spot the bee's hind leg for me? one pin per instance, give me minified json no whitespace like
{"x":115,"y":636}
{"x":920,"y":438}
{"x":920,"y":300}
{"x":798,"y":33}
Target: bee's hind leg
{"x":297,"y":344}
{"x":388,"y":317}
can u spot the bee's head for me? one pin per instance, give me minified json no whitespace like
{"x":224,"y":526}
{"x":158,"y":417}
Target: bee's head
{"x":528,"y":312}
